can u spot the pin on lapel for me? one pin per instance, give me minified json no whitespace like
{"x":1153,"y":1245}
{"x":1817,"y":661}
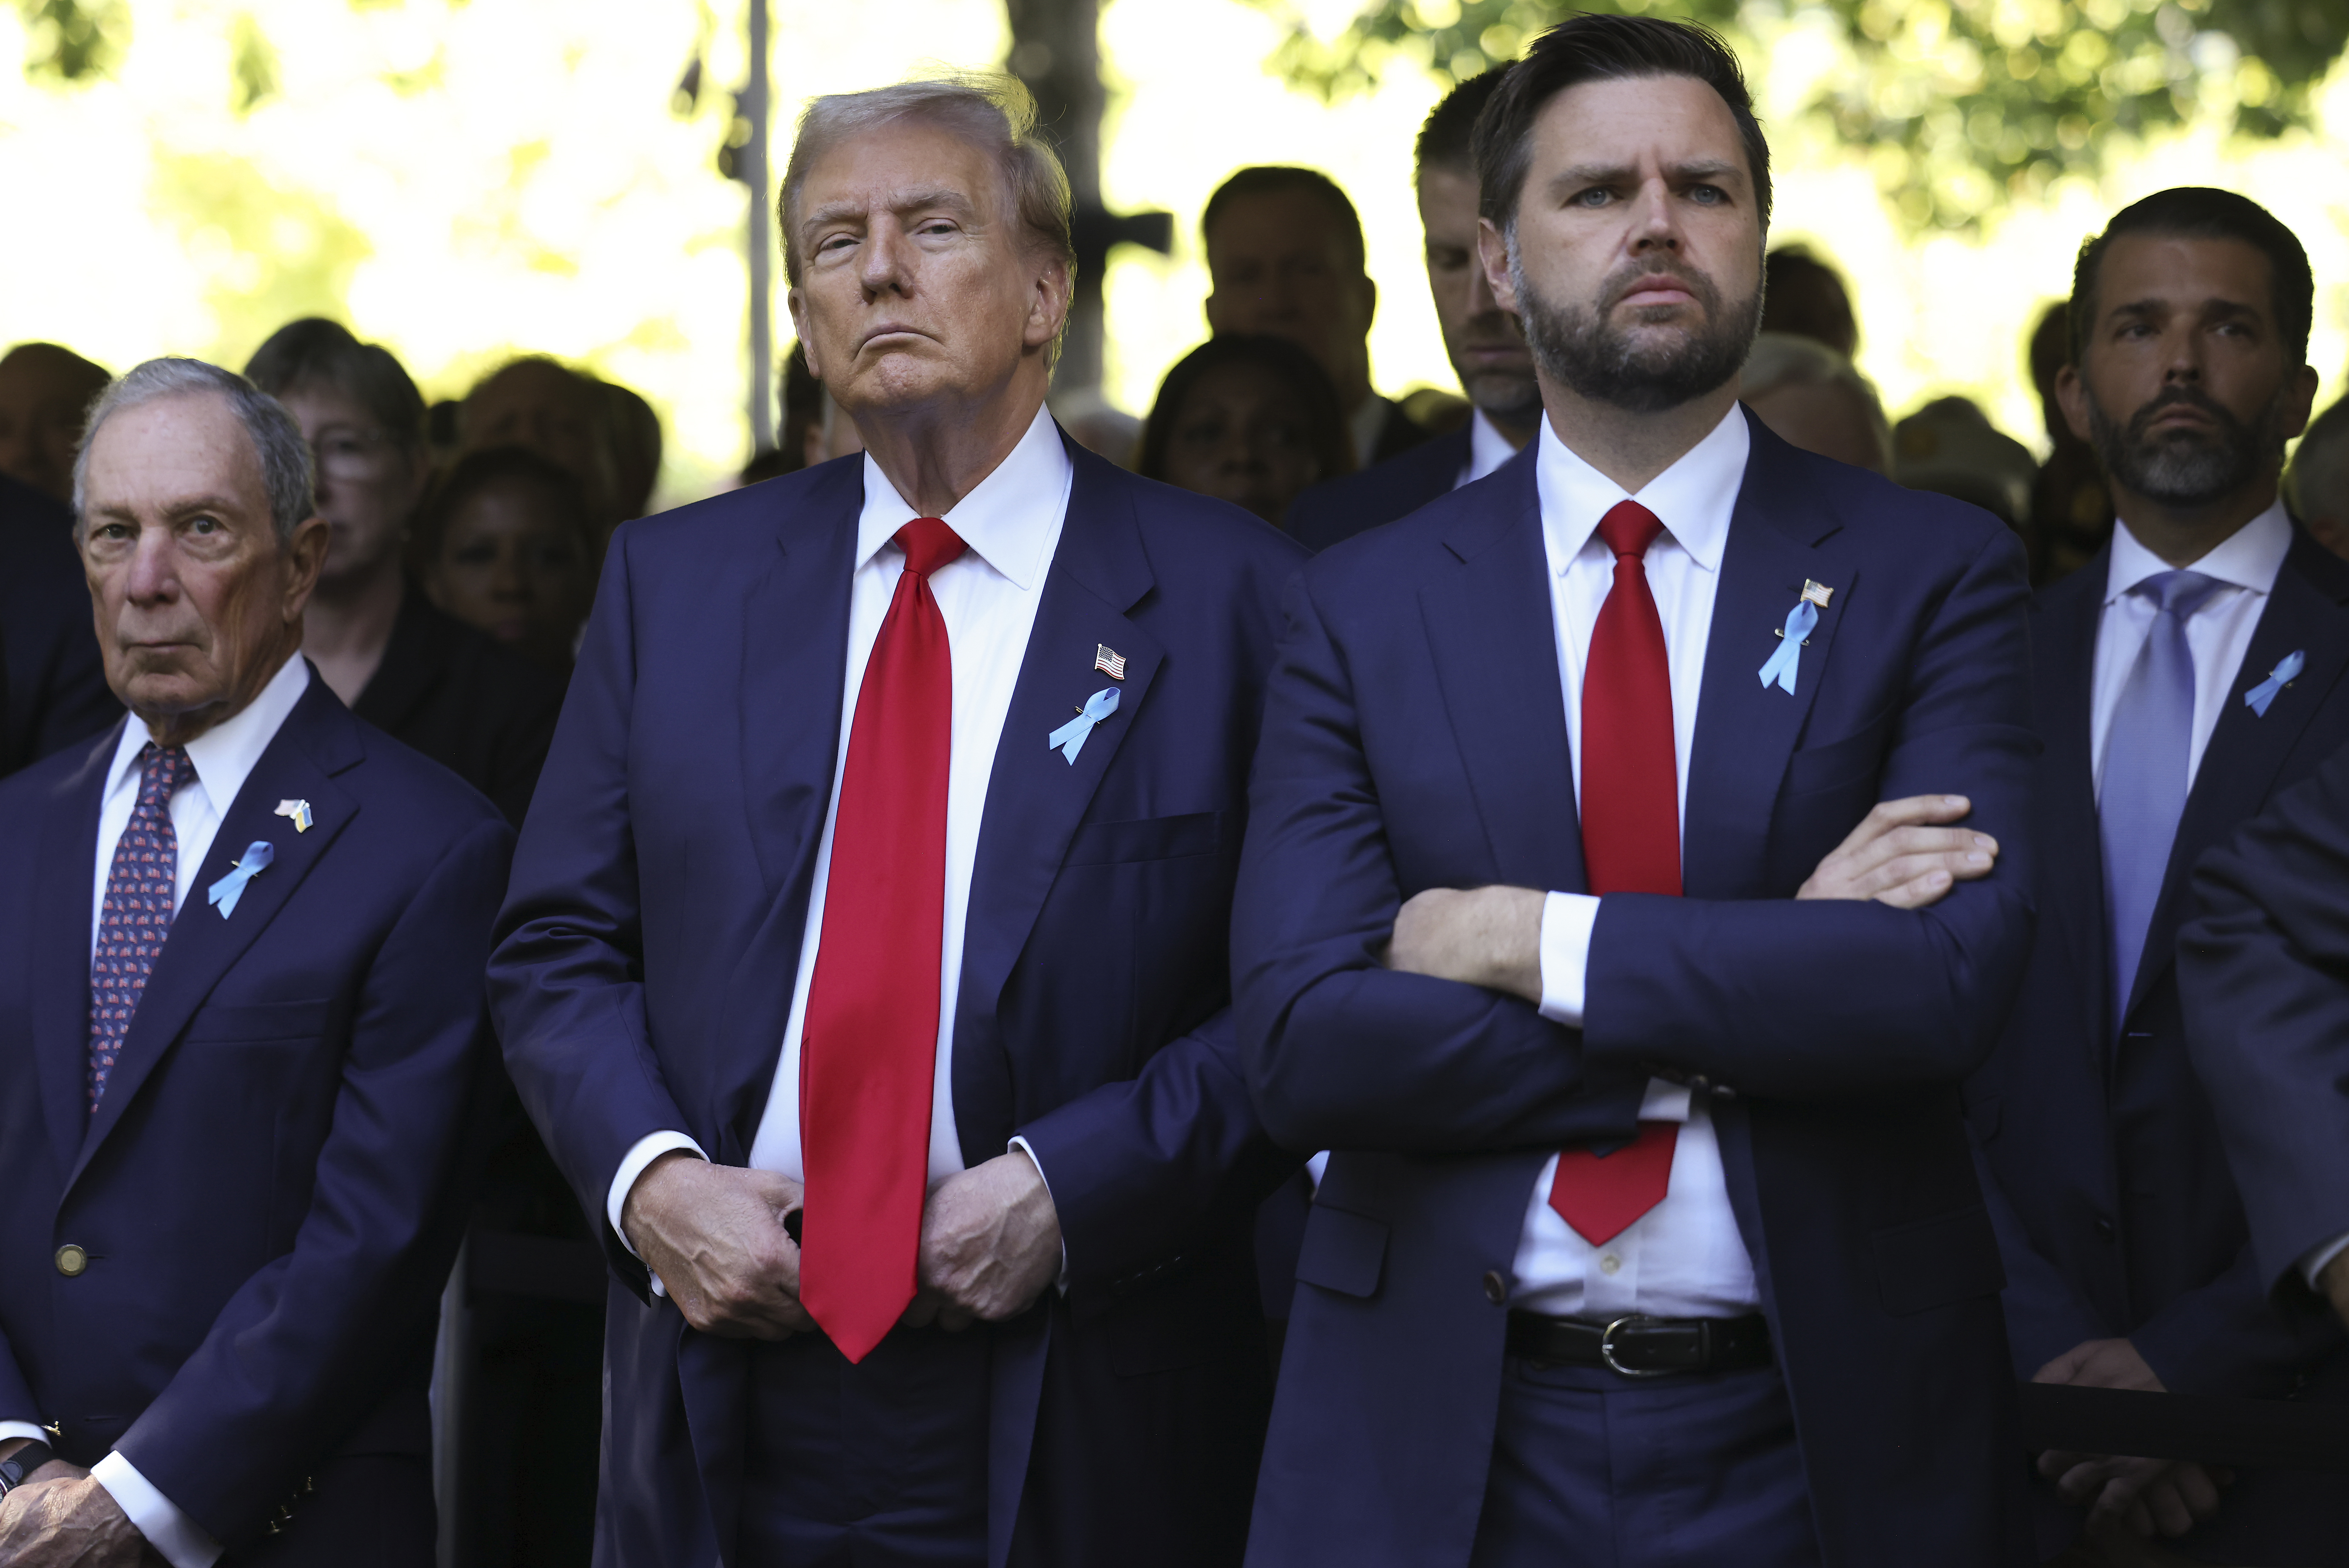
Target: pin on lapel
{"x":1109,"y":662}
{"x":298,"y":812}
{"x":2261,"y":697}
{"x":1069,"y":738}
{"x":1817,"y":593}
{"x":1780,"y":669}
{"x":225,"y":893}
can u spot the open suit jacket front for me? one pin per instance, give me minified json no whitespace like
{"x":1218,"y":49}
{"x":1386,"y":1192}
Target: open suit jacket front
{"x":652,"y":932}
{"x":1415,"y":738}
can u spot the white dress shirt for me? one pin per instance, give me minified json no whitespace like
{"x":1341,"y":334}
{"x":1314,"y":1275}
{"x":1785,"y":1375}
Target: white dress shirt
{"x":987,"y":598}
{"x":1683,"y":1258}
{"x":221,"y":758}
{"x":2217,"y":635}
{"x":1487,"y":450}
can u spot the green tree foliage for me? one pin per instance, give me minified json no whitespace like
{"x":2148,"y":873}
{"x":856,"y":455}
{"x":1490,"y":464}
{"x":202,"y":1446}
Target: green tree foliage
{"x":1961,"y":104}
{"x":74,"y":40}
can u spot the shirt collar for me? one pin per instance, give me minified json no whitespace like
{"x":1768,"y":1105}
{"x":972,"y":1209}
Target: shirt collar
{"x":1487,"y":447}
{"x":2248,"y":558}
{"x":1003,"y":519}
{"x":1693,"y":499}
{"x":224,"y":756}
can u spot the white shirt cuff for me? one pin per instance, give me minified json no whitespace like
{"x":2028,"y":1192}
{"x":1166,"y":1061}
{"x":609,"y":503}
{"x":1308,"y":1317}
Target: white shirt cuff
{"x":1566,"y":919}
{"x":22,"y":1430}
{"x":1022,"y":1145}
{"x":1664,"y":1102}
{"x":1317,"y":1167}
{"x":647,"y":1150}
{"x":2312,"y":1262}
{"x":167,"y":1530}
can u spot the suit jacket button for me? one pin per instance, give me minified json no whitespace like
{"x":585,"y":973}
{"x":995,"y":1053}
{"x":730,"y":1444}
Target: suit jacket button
{"x":72,"y":1260}
{"x":1496,"y":1289}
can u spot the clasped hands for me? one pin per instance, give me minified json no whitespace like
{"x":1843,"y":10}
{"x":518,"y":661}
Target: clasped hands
{"x":1901,"y":854}
{"x":61,"y":1517}
{"x":715,"y":1236}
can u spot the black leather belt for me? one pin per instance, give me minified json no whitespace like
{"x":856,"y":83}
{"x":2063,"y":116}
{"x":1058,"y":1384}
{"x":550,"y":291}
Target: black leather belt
{"x":1643,"y":1346}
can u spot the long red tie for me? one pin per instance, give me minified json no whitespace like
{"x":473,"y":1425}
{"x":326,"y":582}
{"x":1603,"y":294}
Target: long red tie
{"x":868,"y":1048}
{"x":1630,"y":840}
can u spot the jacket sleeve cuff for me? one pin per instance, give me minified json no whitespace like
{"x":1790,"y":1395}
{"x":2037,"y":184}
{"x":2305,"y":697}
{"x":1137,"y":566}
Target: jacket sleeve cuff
{"x":179,"y":1538}
{"x":632,"y":1164}
{"x":1566,"y":919}
{"x":1061,"y":1284}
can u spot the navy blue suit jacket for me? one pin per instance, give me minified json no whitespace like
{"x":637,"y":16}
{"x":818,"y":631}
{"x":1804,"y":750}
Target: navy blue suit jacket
{"x":55,"y":691}
{"x":2263,"y":974}
{"x":652,"y":932}
{"x":1415,"y":738}
{"x":271,"y":1189}
{"x":1357,"y":503}
{"x":2117,"y":1213}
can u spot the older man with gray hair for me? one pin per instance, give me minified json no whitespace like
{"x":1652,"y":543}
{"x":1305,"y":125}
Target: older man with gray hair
{"x":242,"y":1041}
{"x":865,"y":962}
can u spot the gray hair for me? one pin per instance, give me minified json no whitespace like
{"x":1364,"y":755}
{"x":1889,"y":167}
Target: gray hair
{"x":278,"y":443}
{"x":2318,"y":484}
{"x":987,"y":110}
{"x":1781,"y":360}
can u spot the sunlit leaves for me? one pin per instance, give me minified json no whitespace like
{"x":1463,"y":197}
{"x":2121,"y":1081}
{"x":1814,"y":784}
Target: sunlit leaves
{"x":74,"y":40}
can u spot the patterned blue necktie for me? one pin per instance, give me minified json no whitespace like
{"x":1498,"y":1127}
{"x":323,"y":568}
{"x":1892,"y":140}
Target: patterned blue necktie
{"x":2146,"y":756}
{"x":140,"y":888}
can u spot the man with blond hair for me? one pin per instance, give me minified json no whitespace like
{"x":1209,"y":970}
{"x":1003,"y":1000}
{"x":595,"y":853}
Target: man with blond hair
{"x":864,"y":963}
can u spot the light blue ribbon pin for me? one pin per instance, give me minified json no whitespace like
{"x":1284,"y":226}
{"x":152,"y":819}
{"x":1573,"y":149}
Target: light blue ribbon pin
{"x":225,"y":892}
{"x":1069,"y":738}
{"x":1780,"y":670}
{"x":2287,"y":669}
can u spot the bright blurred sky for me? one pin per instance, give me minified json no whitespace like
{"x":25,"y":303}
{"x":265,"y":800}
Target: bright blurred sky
{"x":464,"y":180}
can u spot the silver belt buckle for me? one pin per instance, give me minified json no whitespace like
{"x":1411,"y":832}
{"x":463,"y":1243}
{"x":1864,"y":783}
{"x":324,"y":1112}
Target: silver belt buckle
{"x":1607,"y":1351}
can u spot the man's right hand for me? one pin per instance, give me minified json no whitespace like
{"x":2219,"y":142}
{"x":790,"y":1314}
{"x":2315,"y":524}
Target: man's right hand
{"x":714,"y":1234}
{"x":2335,"y":1283}
{"x":1900,"y":855}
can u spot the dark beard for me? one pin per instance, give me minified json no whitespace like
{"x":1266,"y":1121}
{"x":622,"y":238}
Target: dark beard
{"x":1579,"y":347}
{"x":2186,"y":468}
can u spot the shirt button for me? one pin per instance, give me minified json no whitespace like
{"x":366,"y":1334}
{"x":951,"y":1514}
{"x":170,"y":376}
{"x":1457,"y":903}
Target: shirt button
{"x":1496,"y":1289}
{"x":72,"y":1260}
{"x":1610,"y":1265}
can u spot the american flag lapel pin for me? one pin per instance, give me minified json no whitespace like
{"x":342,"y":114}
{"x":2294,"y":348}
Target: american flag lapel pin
{"x":1817,"y":592}
{"x":1109,"y":662}
{"x":297,"y":812}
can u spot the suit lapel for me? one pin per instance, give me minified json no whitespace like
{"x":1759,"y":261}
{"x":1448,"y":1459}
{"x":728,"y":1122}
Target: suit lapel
{"x":1494,"y":637}
{"x":1746,"y":730}
{"x":64,"y":877}
{"x":1035,"y":798}
{"x":318,"y":740}
{"x":794,"y":669}
{"x":2247,"y":750}
{"x":2070,"y":848}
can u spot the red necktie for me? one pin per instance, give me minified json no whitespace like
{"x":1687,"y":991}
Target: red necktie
{"x":868,"y":1046}
{"x":1630,"y":840}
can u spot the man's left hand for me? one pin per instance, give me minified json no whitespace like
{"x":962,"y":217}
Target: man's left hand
{"x":1483,"y":936}
{"x":71,"y":1522}
{"x":2335,"y":1283}
{"x":990,"y":1244}
{"x":2142,"y":1495}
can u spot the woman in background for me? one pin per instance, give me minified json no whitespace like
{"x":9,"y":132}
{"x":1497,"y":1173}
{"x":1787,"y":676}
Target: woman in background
{"x":507,"y":543}
{"x":1249,"y":419}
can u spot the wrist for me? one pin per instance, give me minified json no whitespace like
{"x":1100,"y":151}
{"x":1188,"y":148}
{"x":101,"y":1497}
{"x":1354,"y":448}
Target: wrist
{"x":645,"y":1198}
{"x":20,"y":1458}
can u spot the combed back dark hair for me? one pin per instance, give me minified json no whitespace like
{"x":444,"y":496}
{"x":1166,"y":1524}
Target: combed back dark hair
{"x":1276,"y":179}
{"x":278,"y":443}
{"x":1448,"y":139}
{"x":323,"y":353}
{"x":2201,"y":212}
{"x":1308,"y":382}
{"x":484,"y":469}
{"x":1592,"y":49}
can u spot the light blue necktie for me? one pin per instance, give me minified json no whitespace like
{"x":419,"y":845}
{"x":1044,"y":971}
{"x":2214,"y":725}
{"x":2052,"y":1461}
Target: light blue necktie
{"x":2147,"y":753}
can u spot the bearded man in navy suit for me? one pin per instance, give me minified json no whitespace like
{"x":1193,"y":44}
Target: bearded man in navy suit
{"x":864,"y":965}
{"x":243,"y":1047}
{"x":1651,"y":1234}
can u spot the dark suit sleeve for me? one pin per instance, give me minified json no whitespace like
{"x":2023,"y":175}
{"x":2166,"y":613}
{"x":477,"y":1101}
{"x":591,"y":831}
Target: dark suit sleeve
{"x":1139,"y":1169}
{"x":566,"y":979}
{"x":1342,"y":1053}
{"x":1797,"y":1000}
{"x":2045,"y":1315}
{"x":2229,"y":1337}
{"x":17,"y":1403}
{"x":2263,"y":974}
{"x":297,"y":1354}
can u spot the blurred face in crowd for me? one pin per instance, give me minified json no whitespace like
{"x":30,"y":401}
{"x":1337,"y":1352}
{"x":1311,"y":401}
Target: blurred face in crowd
{"x":563,"y":418}
{"x":1281,"y":263}
{"x":44,"y":393}
{"x":919,"y":286}
{"x":1825,"y":417}
{"x":1636,"y":264}
{"x":1239,"y":438}
{"x":1488,"y":353}
{"x":2185,"y":385}
{"x":198,"y":603}
{"x":1809,"y":302}
{"x":367,"y":480}
{"x":514,"y":561}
